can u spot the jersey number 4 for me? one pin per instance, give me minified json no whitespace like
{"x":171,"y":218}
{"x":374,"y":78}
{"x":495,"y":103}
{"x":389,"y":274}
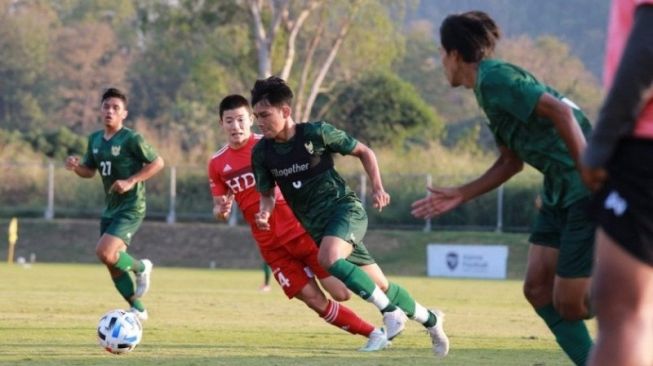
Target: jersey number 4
{"x":283,"y":280}
{"x":105,"y":168}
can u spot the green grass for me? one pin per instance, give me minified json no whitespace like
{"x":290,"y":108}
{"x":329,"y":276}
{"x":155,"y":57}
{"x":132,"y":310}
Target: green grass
{"x":217,"y":317}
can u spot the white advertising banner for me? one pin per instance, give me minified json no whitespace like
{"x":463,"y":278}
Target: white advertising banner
{"x":474,"y":261}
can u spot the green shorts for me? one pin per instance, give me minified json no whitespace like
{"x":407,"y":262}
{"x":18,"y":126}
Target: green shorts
{"x":349,"y":223}
{"x":571,"y":231}
{"x":122,"y":225}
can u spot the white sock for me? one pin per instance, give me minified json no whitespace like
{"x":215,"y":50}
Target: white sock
{"x":421,"y":313}
{"x":379,"y":298}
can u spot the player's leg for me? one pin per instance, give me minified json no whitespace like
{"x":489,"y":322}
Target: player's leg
{"x":267,"y":273}
{"x":432,"y":320}
{"x":544,"y":261}
{"x":571,"y":335}
{"x":332,"y":254}
{"x":125,"y":226}
{"x":298,"y":281}
{"x":121,"y":228}
{"x":305,"y":251}
{"x":625,"y":320}
{"x":107,"y":250}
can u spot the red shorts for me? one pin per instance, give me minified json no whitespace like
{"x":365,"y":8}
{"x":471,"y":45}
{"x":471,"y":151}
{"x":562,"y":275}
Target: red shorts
{"x":294,"y":264}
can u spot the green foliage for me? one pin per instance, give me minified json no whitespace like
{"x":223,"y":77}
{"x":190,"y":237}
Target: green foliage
{"x":24,"y":40}
{"x":382,"y":109}
{"x":57,"y":143}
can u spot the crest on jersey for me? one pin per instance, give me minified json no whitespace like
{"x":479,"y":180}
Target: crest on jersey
{"x":115,"y":150}
{"x":297,"y":184}
{"x":309,"y":147}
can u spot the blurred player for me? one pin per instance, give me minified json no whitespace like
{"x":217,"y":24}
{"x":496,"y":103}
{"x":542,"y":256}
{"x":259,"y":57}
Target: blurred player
{"x":125,"y":161}
{"x":533,"y":123}
{"x":267,"y":273}
{"x":619,"y":164}
{"x":286,"y":247}
{"x":296,"y":157}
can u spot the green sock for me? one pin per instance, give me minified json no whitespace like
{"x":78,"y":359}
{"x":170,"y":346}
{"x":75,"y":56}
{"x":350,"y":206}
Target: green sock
{"x":402,"y":299}
{"x":125,"y":286}
{"x":128,"y":263}
{"x":267,"y":272}
{"x":138,"y":305}
{"x":353,"y":277}
{"x":572,"y":336}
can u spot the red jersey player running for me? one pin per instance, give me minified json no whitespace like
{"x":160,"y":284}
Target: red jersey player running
{"x":287,"y":248}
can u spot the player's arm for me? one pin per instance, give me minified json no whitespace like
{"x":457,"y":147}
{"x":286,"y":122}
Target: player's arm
{"x":74,"y":164}
{"x":565,"y":123}
{"x":618,"y":115}
{"x":442,"y":200}
{"x":266,"y":205}
{"x":147,"y":171}
{"x":368,"y":159}
{"x":222,"y":206}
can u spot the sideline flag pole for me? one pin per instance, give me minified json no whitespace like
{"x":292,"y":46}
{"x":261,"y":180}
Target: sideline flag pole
{"x":13,"y":237}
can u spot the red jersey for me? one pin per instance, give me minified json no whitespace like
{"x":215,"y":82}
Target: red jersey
{"x":231,"y":170}
{"x":622,"y":16}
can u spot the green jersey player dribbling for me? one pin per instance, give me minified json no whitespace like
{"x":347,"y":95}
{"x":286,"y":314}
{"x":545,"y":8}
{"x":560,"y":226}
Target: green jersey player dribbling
{"x":124,"y":161}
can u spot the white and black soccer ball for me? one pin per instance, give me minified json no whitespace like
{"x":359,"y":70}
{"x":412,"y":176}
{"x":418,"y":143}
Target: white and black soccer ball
{"x":119,"y":331}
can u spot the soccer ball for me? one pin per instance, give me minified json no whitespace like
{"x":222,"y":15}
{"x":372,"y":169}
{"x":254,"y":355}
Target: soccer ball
{"x":119,"y":331}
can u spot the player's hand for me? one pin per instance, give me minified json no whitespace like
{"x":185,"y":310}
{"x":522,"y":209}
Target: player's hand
{"x":72,"y":162}
{"x":122,"y":185}
{"x":262,"y":220}
{"x":380,"y":199}
{"x":593,"y":178}
{"x":440,"y":200}
{"x":223,"y":205}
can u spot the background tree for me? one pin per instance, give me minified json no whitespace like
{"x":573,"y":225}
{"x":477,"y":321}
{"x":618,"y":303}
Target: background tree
{"x":321,"y":32}
{"x":381,"y":109}
{"x":25,"y":95}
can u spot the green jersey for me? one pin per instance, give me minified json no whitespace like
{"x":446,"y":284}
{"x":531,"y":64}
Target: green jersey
{"x":119,"y":157}
{"x":509,"y":95}
{"x":303,"y":169}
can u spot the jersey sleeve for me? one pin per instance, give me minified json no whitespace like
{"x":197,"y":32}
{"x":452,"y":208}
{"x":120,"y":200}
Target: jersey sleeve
{"x":336,"y":140}
{"x":216,"y":184}
{"x":88,"y":160}
{"x":262,"y":175}
{"x":511,"y":92}
{"x":142,"y":150}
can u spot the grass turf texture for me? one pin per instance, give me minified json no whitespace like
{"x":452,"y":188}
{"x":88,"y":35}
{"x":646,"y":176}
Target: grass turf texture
{"x":217,"y":317}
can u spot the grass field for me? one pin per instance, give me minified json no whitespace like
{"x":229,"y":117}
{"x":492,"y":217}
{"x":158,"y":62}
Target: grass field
{"x":217,"y":317}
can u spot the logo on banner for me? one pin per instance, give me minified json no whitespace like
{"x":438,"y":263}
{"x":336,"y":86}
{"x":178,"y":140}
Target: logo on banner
{"x":452,"y":260}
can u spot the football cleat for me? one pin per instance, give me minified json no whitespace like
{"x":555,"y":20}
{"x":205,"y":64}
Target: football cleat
{"x":439,"y":339}
{"x":143,"y":279}
{"x":141,"y":315}
{"x":395,"y":322}
{"x":376,"y":341}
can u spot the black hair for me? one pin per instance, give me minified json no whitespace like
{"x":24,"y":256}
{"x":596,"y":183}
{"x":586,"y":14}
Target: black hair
{"x":273,"y":90}
{"x":114,"y":93}
{"x":233,"y":101}
{"x":473,"y":34}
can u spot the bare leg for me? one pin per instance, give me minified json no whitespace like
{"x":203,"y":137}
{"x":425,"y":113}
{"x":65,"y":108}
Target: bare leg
{"x":622,"y":296}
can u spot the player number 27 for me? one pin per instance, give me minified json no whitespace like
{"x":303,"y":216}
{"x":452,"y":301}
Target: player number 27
{"x":105,"y":168}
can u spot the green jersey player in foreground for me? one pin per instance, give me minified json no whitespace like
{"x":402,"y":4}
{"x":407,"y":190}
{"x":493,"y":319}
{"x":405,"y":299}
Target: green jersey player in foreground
{"x":298,"y":158}
{"x":125,"y":161}
{"x":531,"y":123}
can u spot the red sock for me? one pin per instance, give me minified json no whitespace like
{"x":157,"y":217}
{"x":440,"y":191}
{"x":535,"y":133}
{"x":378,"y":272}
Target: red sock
{"x":345,"y":318}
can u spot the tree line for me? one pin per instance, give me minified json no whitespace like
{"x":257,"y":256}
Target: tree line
{"x":366,"y":66}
